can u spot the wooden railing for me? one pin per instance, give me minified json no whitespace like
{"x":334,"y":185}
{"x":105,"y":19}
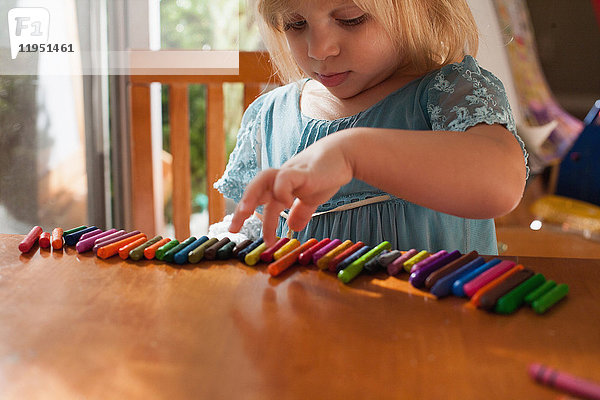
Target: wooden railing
{"x":254,"y":72}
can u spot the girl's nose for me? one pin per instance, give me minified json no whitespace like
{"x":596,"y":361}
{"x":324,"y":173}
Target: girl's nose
{"x":322,"y":43}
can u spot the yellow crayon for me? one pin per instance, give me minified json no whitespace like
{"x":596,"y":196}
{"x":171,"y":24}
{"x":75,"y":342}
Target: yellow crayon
{"x":420,"y":256}
{"x":286,"y":248}
{"x":323,"y":262}
{"x":254,"y":256}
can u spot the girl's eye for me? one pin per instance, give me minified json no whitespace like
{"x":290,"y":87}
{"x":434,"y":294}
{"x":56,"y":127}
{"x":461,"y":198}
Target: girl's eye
{"x":353,"y":21}
{"x":295,"y":25}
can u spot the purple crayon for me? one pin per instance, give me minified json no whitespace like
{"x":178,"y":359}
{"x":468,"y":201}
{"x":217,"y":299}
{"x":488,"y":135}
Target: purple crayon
{"x":116,"y":239}
{"x":417,"y":278}
{"x":325,"y":249}
{"x":88,"y":243}
{"x":110,"y":237}
{"x":428,"y":260}
{"x":90,"y":234}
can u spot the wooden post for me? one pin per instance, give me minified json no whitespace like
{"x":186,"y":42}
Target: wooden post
{"x":215,"y":150}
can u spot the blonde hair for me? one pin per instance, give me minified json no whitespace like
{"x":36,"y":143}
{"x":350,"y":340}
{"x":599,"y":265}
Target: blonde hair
{"x":427,"y":33}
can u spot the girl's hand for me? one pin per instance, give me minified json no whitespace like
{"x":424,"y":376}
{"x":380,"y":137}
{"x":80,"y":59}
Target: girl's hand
{"x":305,"y":181}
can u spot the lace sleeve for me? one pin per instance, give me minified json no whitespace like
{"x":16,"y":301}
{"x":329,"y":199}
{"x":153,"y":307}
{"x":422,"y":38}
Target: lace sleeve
{"x":462,"y":95}
{"x":243,"y":164}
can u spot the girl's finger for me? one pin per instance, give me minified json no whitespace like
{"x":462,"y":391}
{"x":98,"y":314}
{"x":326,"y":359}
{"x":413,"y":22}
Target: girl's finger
{"x":300,"y":214}
{"x":257,"y":192}
{"x":270,"y":221}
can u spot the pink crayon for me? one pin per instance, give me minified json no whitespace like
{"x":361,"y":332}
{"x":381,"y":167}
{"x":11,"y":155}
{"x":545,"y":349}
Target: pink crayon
{"x":100,"y":242}
{"x":397,"y":265}
{"x":90,"y":234}
{"x":471,"y":287}
{"x":563,"y":381}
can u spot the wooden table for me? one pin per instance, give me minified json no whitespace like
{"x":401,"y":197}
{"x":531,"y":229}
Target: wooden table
{"x":74,"y":326}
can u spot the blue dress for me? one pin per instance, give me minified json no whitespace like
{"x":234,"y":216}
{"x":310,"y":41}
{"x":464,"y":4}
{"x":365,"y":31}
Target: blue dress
{"x":453,"y":98}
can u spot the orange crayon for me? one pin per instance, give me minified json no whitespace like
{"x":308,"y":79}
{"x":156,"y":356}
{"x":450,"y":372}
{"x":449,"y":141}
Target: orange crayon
{"x":150,"y":251}
{"x":57,"y":238}
{"x":111,"y":249}
{"x":289,"y":259}
{"x":124,"y":251}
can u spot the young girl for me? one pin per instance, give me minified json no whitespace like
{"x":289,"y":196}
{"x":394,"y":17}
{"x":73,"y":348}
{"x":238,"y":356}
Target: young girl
{"x":388,"y":131}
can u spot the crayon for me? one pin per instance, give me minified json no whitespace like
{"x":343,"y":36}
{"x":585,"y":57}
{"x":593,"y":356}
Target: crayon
{"x":73,"y":230}
{"x":343,"y":255}
{"x":496,"y":288}
{"x":489,"y":299}
{"x":420,"y":256}
{"x":57,"y":239}
{"x":181,"y":251}
{"x":160,"y":252}
{"x":102,"y":242}
{"x":351,"y":258}
{"x":417,"y":278}
{"x":125,"y":250}
{"x":90,"y":234}
{"x":449,"y":268}
{"x":111,"y":249}
{"x":352,"y":270}
{"x":547,"y":300}
{"x":323,"y":261}
{"x":72,"y":238}
{"x":44,"y":240}
{"x":137,"y":253}
{"x":267,"y":255}
{"x":196,"y":255}
{"x":170,"y":254}
{"x":150,"y":251}
{"x":30,"y":239}
{"x":254,"y":256}
{"x":478,"y":282}
{"x":325,"y":249}
{"x":512,"y":300}
{"x":226,"y":252}
{"x":443,"y":287}
{"x":240,"y":246}
{"x":306,"y":257}
{"x":566,"y":382}
{"x":458,"y":285}
{"x":373,"y":266}
{"x":537,"y":293}
{"x":112,"y":237}
{"x":87,"y":244}
{"x":384,"y":259}
{"x":398,"y":264}
{"x":287,"y":248}
{"x":290,"y":258}
{"x":242,"y":254}
{"x":211,"y":252}
{"x":427,"y":261}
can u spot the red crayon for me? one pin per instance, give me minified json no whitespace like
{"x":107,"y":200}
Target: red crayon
{"x":267,"y":255}
{"x":44,"y":240}
{"x":32,"y":237}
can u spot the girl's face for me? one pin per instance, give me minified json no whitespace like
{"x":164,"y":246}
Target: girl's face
{"x":340,"y":46}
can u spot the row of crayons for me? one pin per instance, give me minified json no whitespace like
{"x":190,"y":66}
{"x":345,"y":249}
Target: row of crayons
{"x":494,"y":285}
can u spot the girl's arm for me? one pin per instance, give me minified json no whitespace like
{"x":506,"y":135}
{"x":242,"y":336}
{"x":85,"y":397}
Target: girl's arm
{"x":479,"y":173}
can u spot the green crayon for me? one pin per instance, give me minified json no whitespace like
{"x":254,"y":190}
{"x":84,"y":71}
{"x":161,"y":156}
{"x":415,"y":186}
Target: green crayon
{"x":73,"y":230}
{"x":352,"y":270}
{"x":198,"y":253}
{"x":137,"y":253}
{"x":168,"y":256}
{"x":550,"y":298}
{"x":226,"y":252}
{"x":512,"y":300}
{"x":160,"y":253}
{"x":537,"y":293}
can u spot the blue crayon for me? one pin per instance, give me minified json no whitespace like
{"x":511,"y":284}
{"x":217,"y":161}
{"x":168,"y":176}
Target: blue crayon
{"x":457,"y":286}
{"x":181,"y":256}
{"x":443,"y":287}
{"x":72,"y":238}
{"x":352,"y":257}
{"x":242,"y":254}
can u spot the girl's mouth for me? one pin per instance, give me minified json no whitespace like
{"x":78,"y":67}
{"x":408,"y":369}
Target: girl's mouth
{"x":331,"y":80}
